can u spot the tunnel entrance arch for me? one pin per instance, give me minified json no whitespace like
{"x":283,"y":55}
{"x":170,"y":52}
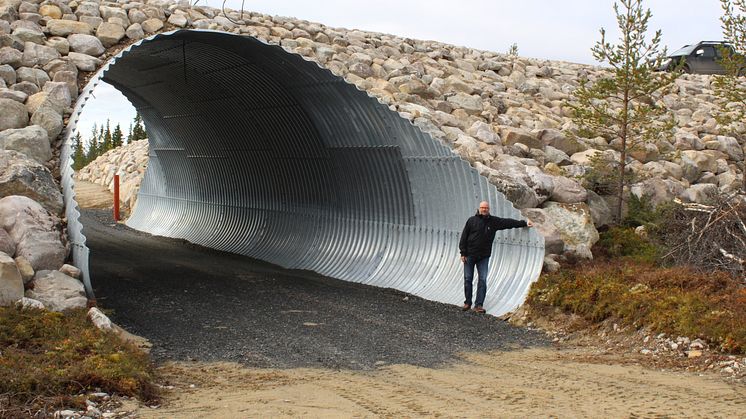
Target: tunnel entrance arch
{"x":257,"y":151}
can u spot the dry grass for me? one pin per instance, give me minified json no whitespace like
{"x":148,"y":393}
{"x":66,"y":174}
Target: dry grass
{"x":678,"y":301}
{"x":47,"y":359}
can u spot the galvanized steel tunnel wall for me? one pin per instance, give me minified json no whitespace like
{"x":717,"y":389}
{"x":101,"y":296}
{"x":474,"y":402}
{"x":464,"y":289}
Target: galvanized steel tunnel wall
{"x":256,"y":151}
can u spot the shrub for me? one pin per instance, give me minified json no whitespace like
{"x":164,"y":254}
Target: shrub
{"x":678,"y":300}
{"x":48,"y":358}
{"x":623,"y":242}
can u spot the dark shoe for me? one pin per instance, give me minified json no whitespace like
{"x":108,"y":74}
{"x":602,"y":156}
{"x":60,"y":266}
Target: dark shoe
{"x":465,"y":307}
{"x":479,"y":309}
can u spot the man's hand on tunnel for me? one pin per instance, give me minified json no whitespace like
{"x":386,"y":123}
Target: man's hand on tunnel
{"x":529,"y":223}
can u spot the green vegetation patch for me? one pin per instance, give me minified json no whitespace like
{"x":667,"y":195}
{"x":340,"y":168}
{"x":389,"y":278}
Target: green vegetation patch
{"x":46,"y":358}
{"x":677,"y":301}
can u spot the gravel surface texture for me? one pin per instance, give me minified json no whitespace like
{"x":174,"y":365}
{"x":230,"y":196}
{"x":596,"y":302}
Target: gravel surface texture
{"x":195,"y":303}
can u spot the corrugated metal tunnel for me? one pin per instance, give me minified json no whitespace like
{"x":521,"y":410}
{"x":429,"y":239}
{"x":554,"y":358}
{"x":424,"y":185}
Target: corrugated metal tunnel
{"x":256,"y":151}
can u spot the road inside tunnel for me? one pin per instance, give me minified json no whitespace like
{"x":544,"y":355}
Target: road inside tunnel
{"x":196,"y":303}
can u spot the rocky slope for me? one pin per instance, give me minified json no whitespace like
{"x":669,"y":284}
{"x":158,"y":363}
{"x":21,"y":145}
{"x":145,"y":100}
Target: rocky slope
{"x":129,"y":161}
{"x":506,"y":115}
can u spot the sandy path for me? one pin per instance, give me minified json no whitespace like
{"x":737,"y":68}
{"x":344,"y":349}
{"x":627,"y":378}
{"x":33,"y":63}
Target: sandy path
{"x":534,"y":382}
{"x":92,"y":195}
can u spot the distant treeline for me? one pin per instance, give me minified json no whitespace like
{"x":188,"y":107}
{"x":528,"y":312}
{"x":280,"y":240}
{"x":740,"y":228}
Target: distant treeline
{"x":103,"y":139}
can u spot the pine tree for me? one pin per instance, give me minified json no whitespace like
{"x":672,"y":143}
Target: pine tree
{"x":117,"y":137}
{"x":129,"y":135}
{"x":729,"y":87}
{"x":79,"y":158}
{"x":106,"y":143}
{"x":621,"y":107}
{"x":138,"y":130}
{"x":93,"y":145}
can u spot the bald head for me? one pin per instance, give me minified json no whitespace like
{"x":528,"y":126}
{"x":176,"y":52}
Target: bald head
{"x":484,"y":208}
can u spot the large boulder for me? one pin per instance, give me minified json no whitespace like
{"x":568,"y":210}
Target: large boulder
{"x":510,"y":177}
{"x":512,"y":135}
{"x":84,"y":62}
{"x":48,"y":117}
{"x":59,"y":27}
{"x":59,"y":93}
{"x":86,"y":44}
{"x":19,"y":175}
{"x":472,"y":105}
{"x":703,"y":193}
{"x":11,"y":284}
{"x":33,"y":141}
{"x":34,"y":230}
{"x":152,"y":25}
{"x":657,"y":191}
{"x":553,"y":243}
{"x":694,"y":162}
{"x":730,"y":146}
{"x":57,"y":291}
{"x":560,"y":141}
{"x":575,"y":224}
{"x":542,"y":183}
{"x":8,"y":74}
{"x":6,"y":243}
{"x":585,"y":157}
{"x":35,"y":54}
{"x":34,"y":75}
{"x":600,"y":211}
{"x":10,"y":56}
{"x":568,"y":191}
{"x":110,"y":33}
{"x":12,"y":114}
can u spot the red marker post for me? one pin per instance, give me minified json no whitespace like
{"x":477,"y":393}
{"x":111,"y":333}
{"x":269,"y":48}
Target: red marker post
{"x":116,"y":198}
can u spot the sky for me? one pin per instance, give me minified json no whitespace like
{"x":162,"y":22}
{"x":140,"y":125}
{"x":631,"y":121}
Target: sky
{"x":564,"y":30}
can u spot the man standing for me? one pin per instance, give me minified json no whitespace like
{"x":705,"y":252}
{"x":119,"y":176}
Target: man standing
{"x":476,"y":248}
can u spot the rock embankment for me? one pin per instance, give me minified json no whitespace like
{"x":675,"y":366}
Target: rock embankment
{"x":129,"y":162}
{"x":506,"y":115}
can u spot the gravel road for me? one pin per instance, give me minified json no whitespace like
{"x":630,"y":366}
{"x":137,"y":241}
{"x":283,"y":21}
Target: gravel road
{"x":200,"y":304}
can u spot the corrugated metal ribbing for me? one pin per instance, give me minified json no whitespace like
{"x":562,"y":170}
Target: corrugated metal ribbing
{"x":257,"y":151}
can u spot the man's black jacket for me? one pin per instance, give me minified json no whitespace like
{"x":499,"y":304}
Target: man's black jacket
{"x":479,"y":232}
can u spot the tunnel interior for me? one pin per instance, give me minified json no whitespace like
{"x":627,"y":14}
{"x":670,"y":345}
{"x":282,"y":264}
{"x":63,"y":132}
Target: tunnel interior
{"x":257,"y":151}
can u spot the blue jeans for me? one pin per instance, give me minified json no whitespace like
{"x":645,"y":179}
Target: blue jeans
{"x":482,"y":265}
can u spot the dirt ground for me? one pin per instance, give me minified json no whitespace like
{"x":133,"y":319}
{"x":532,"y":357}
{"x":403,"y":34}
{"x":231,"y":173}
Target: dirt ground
{"x":511,"y":381}
{"x":523,"y":383}
{"x":93,"y":196}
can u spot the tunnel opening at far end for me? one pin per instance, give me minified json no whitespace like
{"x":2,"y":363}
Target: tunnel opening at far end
{"x":257,"y":151}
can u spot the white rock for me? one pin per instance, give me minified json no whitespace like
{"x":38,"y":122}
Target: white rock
{"x":33,"y":141}
{"x":99,"y":319}
{"x":152,"y":25}
{"x":34,"y":230}
{"x":134,"y":31}
{"x":568,"y":191}
{"x":110,"y":33}
{"x":35,"y":54}
{"x":86,"y":44}
{"x":84,"y":62}
{"x":178,"y":20}
{"x":11,"y":283}
{"x":472,"y":105}
{"x":575,"y":225}
{"x":483,"y":132}
{"x":25,"y":268}
{"x":702,"y":193}
{"x":29,"y":303}
{"x":12,"y":114}
{"x":57,"y":291}
{"x":49,"y":118}
{"x":553,"y":243}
